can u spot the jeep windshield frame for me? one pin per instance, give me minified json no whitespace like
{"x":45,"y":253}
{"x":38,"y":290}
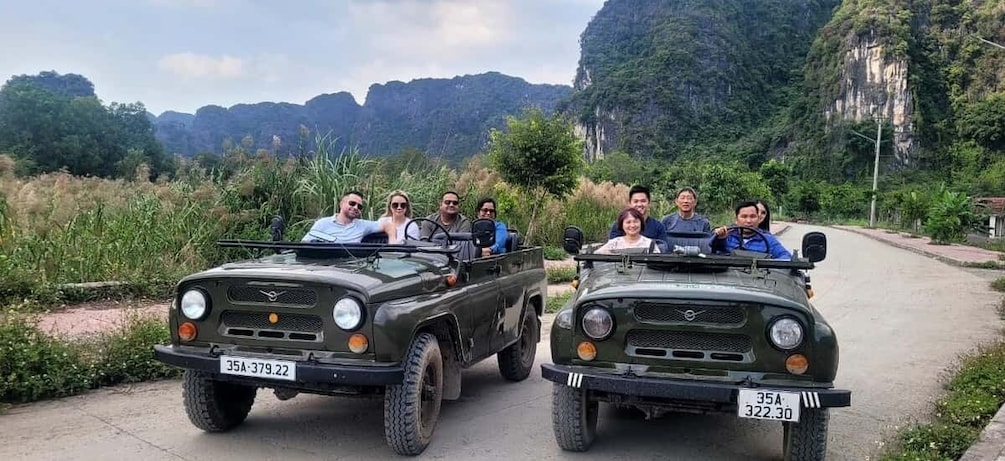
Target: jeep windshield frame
{"x":668,"y":261}
{"x":335,"y":249}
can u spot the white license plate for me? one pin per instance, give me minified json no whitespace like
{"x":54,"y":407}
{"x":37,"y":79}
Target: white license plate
{"x":768,"y":404}
{"x":259,"y":368}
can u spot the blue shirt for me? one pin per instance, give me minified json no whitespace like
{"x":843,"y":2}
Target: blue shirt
{"x":502,"y":234}
{"x":675,"y":223}
{"x":653,"y":229}
{"x":329,"y":230}
{"x":754,"y":243}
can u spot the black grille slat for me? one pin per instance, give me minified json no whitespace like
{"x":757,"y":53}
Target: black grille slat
{"x":270,"y":295}
{"x":693,"y":341}
{"x":679,"y":313}
{"x":260,"y":320}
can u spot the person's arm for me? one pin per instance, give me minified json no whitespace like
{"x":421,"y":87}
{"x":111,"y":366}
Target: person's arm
{"x":315,"y":234}
{"x":502,"y":234}
{"x":607,"y":247}
{"x":706,"y":227}
{"x":718,"y":240}
{"x":777,"y":250}
{"x":425,"y":229}
{"x":390,"y":229}
{"x":661,"y":232}
{"x":464,"y":225}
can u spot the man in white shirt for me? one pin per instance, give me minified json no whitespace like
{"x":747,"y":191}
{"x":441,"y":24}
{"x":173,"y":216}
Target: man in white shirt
{"x":345,"y":226}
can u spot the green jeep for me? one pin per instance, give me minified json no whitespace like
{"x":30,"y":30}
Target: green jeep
{"x":688,"y":331}
{"x":397,"y":322}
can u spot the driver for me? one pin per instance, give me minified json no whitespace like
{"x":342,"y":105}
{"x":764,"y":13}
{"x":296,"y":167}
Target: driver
{"x":345,"y":226}
{"x":726,"y":240}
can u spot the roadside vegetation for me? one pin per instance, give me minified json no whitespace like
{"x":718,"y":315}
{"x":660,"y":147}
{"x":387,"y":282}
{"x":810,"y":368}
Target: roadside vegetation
{"x":37,"y":365}
{"x":973,"y":396}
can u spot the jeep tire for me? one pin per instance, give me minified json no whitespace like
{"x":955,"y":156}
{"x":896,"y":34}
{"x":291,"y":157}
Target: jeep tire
{"x":412,"y":408}
{"x":216,"y":406}
{"x":517,"y":360}
{"x":573,"y":417}
{"x":807,"y":439}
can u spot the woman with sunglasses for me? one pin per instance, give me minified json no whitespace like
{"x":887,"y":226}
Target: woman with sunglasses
{"x":399,"y":214}
{"x":487,"y":210}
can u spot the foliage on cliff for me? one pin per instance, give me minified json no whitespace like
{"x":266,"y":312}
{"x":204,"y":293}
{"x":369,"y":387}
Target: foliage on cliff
{"x":663,"y":77}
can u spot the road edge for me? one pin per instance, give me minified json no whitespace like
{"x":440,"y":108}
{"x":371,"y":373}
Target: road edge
{"x":930,"y":254}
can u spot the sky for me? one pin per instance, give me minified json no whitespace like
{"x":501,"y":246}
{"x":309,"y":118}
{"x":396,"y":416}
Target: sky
{"x":184,"y":54}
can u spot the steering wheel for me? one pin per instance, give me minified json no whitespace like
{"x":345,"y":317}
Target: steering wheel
{"x":758,"y":232}
{"x":438,"y":225}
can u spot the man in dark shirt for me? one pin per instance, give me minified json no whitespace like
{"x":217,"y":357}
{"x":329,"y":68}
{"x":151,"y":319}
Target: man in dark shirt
{"x":686,"y":219}
{"x":638,"y":198}
{"x":449,"y":216}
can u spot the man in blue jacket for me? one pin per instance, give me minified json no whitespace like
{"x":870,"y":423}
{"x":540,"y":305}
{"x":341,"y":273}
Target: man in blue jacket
{"x":725,"y":241}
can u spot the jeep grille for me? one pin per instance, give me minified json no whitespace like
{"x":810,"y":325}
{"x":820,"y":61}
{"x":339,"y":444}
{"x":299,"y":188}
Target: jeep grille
{"x":269,"y":295}
{"x":260,"y":320}
{"x":678,"y":313}
{"x":683,"y":340}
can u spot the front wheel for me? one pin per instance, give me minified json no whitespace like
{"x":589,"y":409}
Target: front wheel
{"x":573,"y":417}
{"x":807,"y":439}
{"x":216,"y":406}
{"x":517,"y":360}
{"x":412,"y":408}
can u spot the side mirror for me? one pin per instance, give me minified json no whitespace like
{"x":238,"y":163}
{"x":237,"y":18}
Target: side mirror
{"x":483,"y":233}
{"x":572,"y":239}
{"x":815,"y":246}
{"x":277,"y":228}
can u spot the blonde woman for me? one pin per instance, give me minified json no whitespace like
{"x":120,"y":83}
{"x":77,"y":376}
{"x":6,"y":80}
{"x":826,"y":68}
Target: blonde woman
{"x":399,"y":213}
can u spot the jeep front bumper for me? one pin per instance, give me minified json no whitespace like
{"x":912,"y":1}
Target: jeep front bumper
{"x":308,"y":372}
{"x":676,"y":389}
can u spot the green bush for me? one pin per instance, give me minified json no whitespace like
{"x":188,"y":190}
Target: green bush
{"x":950,"y":216}
{"x":555,"y":303}
{"x":554,"y":253}
{"x":561,"y":274}
{"x":35,"y":365}
{"x":998,"y":285}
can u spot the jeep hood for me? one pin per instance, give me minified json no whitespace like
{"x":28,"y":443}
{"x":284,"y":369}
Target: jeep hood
{"x":377,"y":280}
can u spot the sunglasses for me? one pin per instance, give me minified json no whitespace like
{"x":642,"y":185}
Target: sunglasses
{"x":451,"y":202}
{"x":355,"y":204}
{"x":488,"y":210}
{"x":397,"y":205}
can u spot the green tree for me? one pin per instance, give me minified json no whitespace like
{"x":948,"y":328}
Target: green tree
{"x":539,"y":154}
{"x":776,"y":175}
{"x":984,"y":122}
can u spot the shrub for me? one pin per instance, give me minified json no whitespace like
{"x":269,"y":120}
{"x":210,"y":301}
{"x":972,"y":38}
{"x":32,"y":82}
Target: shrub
{"x":554,"y":253}
{"x":999,"y":284}
{"x":555,"y":303}
{"x":950,"y":216}
{"x":561,"y":274}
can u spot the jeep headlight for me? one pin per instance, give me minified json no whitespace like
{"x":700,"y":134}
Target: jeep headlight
{"x":598,"y":323}
{"x":564,"y":319}
{"x":194,"y":304}
{"x":786,"y":333}
{"x":348,"y":314}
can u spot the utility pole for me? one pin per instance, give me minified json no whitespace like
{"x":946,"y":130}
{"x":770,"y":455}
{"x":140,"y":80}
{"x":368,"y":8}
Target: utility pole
{"x":875,"y":168}
{"x":875,"y":174}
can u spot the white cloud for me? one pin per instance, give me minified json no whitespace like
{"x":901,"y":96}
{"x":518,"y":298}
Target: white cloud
{"x":191,"y":65}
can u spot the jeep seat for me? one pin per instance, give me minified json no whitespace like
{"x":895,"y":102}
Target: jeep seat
{"x":513,"y":240}
{"x":684,"y":239}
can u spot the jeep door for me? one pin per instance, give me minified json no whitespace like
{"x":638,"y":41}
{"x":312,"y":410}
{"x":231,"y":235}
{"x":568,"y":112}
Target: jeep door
{"x":518,"y":274}
{"x":481,"y":306}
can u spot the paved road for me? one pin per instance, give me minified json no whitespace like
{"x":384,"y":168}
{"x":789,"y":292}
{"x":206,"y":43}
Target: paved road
{"x":901,"y":320}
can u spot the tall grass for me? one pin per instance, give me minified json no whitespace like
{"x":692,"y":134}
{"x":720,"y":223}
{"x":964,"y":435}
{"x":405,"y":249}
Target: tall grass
{"x":57,"y":229}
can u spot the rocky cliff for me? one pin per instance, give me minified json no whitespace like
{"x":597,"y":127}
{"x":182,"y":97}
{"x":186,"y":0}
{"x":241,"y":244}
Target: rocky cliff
{"x":450,"y":118}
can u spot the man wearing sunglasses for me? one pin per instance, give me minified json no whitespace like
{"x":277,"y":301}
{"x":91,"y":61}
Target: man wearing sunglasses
{"x":449,"y":216}
{"x":345,"y":226}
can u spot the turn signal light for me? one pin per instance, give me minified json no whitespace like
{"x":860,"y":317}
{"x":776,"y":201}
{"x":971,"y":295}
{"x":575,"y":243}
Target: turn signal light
{"x":358,"y":343}
{"x":797,"y":364}
{"x":187,"y":331}
{"x":586,"y":351}
{"x":809,"y":292}
{"x":575,"y":283}
{"x":451,"y":280}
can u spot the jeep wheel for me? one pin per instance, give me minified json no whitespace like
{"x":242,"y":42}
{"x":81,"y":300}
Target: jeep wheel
{"x":517,"y":360}
{"x":573,"y":417}
{"x":807,"y":439}
{"x":216,"y":406}
{"x":412,"y":408}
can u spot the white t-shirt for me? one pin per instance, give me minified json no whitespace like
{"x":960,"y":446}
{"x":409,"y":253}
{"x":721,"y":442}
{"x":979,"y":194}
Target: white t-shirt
{"x":619,"y":243}
{"x":413,"y":231}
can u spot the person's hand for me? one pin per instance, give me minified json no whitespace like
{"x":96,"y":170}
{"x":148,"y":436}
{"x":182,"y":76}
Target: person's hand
{"x":486,"y":251}
{"x":720,"y":232}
